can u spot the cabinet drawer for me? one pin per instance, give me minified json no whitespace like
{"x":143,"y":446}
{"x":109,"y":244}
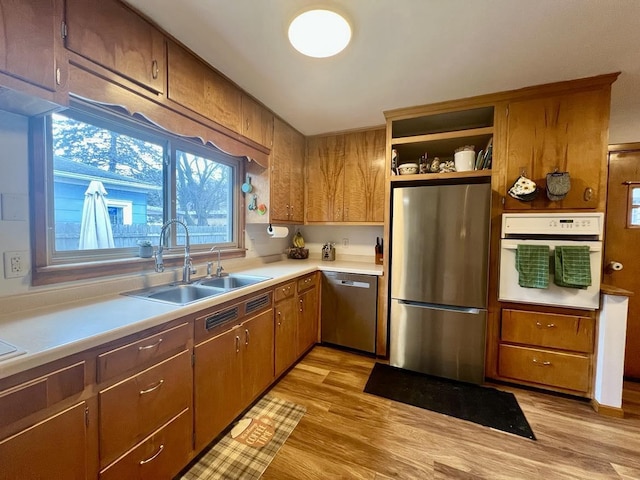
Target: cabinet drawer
{"x":135,"y":407}
{"x":563,"y":370}
{"x":284,"y":291}
{"x":565,"y":332}
{"x":40,"y":393}
{"x":307,"y":282}
{"x":143,"y":352}
{"x":161,"y":455}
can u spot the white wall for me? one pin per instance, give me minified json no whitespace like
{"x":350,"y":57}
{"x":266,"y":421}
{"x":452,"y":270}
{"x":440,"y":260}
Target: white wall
{"x":361,"y":240}
{"x":14,"y":180}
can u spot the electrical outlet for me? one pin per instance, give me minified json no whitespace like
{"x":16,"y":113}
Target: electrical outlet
{"x":345,"y":242}
{"x":16,"y":264}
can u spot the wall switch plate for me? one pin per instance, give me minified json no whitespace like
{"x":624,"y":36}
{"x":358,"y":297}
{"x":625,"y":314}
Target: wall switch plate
{"x":16,"y":264}
{"x":345,"y":242}
{"x":15,"y":207}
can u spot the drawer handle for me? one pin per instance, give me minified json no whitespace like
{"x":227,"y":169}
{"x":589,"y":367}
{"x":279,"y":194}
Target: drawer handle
{"x":549,"y":325}
{"x":541,"y":364}
{"x":155,"y":455}
{"x":150,"y":346}
{"x":151,"y":389}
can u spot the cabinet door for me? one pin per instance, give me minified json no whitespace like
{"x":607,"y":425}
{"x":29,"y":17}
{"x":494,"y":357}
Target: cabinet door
{"x":31,"y":42}
{"x":296,"y":175}
{"x":364,"y":176}
{"x":217,"y":384}
{"x":196,"y":86}
{"x":563,"y":133}
{"x":325,"y":179}
{"x":286,"y":340}
{"x":280,"y":178}
{"x":55,"y":448}
{"x":257,"y":355}
{"x":108,"y":33}
{"x":307,"y":320}
{"x":257,"y":122}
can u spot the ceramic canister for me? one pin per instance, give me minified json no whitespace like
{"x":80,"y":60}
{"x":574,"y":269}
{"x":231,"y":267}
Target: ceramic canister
{"x":464,"y":160}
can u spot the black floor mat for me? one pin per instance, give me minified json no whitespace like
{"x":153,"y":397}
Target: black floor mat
{"x":484,"y":405}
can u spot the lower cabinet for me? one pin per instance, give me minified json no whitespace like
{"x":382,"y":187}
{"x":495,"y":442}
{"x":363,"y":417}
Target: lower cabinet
{"x":286,"y":336}
{"x":230,"y":371}
{"x":548,"y":350}
{"x":55,"y":448}
{"x":307,"y":312}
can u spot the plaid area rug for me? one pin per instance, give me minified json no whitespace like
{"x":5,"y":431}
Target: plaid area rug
{"x":246,"y":451}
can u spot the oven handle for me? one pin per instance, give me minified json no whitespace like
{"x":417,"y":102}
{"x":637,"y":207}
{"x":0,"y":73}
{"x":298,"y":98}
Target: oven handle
{"x":551,"y":245}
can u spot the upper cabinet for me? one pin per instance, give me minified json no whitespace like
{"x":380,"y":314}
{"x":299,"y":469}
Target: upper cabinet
{"x":286,"y":174}
{"x":33,"y":55}
{"x":109,"y":34}
{"x":345,"y":177}
{"x":257,"y":122}
{"x":421,"y":135}
{"x":195,"y":85}
{"x":559,"y":133}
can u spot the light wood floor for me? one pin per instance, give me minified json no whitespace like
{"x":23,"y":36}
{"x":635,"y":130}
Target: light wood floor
{"x":353,"y":435}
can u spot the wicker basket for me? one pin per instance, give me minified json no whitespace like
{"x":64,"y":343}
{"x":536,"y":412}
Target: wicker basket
{"x":298,"y":253}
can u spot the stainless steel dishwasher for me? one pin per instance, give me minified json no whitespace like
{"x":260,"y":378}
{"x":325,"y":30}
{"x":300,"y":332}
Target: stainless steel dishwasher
{"x":350,"y":310}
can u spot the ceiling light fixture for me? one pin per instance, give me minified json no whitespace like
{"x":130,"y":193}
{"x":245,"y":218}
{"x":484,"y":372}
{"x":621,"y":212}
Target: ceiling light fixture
{"x":319,"y":33}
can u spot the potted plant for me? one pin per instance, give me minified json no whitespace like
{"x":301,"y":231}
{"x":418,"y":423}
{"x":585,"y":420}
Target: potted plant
{"x":145,"y":249}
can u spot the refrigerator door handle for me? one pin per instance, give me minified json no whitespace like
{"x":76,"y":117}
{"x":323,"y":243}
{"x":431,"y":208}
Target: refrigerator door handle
{"x":435,"y":306}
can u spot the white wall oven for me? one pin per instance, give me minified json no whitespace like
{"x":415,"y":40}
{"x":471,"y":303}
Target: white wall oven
{"x":552,"y":230}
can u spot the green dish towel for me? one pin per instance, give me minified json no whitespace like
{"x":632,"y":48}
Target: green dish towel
{"x":532,"y":264}
{"x":573,"y":266}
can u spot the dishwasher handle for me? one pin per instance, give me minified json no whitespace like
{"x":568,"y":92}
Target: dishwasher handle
{"x":351,"y":283}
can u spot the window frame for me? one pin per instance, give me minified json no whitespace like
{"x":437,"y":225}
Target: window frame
{"x":50,"y":269}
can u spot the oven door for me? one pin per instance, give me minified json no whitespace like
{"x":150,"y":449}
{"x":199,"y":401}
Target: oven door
{"x":510,"y":291}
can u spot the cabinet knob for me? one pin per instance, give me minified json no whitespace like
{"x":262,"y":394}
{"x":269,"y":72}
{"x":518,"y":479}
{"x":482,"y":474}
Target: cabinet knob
{"x":588,"y":194}
{"x":58,"y":76}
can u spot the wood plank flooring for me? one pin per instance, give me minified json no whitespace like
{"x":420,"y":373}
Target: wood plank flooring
{"x":348,"y":434}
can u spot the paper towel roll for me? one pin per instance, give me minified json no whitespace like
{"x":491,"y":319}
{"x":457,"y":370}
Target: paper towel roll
{"x":277,"y":232}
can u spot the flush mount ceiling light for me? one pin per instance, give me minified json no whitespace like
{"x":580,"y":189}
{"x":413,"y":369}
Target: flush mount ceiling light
{"x":319,"y":33}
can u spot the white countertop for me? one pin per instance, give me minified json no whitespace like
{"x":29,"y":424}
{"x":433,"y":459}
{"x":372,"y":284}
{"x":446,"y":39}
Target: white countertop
{"x":52,"y":332}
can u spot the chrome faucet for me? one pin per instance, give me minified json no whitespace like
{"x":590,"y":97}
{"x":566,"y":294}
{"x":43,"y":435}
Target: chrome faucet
{"x":219,"y":269}
{"x":187,"y":268}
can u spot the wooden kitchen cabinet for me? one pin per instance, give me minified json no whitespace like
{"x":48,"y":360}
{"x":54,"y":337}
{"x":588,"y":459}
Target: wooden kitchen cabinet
{"x":566,"y":133}
{"x":55,"y":448}
{"x":345,"y":175}
{"x":257,"y":122}
{"x":286,"y":328}
{"x":286,"y":174}
{"x":195,"y":85}
{"x":549,"y":350}
{"x":308,"y":303}
{"x":33,"y":56}
{"x":135,"y":407}
{"x":109,"y":34}
{"x":233,"y":367}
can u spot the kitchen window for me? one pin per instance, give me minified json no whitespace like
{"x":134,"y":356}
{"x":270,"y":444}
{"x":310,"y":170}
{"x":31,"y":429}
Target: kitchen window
{"x":109,"y":182}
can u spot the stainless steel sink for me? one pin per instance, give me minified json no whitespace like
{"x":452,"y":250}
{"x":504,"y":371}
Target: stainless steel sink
{"x":231,"y":282}
{"x":178,"y":294}
{"x":182,"y":294}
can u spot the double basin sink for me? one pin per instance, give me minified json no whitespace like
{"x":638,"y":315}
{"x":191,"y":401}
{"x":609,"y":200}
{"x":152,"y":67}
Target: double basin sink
{"x":182,"y":294}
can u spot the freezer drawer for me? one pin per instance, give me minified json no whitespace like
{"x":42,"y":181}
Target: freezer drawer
{"x":349,"y":310}
{"x":438,"y":340}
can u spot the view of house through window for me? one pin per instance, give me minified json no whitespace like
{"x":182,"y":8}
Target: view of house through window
{"x":111,"y":189}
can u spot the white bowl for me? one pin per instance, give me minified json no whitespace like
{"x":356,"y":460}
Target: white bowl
{"x":408,"y":168}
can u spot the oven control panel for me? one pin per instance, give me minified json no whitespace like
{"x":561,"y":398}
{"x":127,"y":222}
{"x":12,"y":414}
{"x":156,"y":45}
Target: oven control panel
{"x":553,"y":224}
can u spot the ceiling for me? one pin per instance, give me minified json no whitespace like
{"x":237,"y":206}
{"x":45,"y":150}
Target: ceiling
{"x":412,"y":52}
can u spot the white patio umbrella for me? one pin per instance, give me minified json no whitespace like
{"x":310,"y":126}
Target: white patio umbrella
{"x":95,"y":229}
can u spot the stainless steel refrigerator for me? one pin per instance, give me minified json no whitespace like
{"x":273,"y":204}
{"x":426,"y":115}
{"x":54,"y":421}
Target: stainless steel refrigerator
{"x":439,"y":274}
